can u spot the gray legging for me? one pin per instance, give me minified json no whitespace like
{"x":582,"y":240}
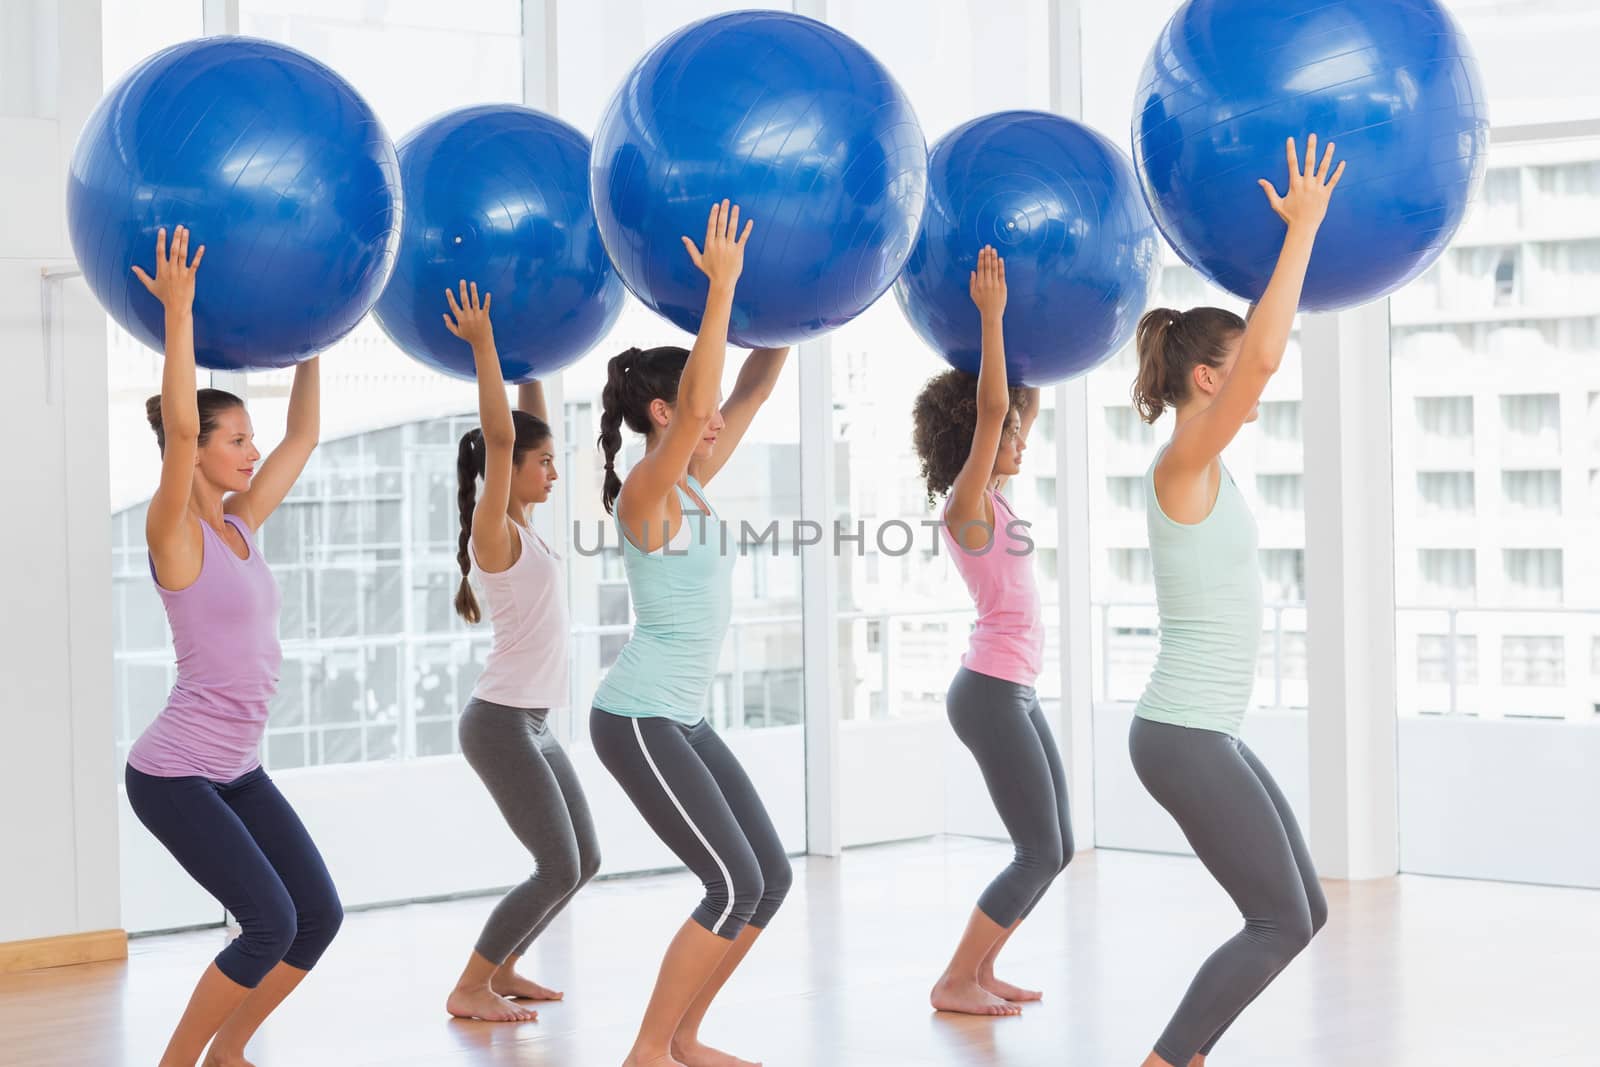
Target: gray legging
{"x":697,"y":798}
{"x":1242,"y":829}
{"x":1004,"y":727}
{"x":533,"y":782}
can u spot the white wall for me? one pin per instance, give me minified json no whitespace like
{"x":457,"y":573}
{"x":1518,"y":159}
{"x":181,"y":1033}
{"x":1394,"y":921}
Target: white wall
{"x":909,"y":778}
{"x":1497,"y":800}
{"x":57,"y":782}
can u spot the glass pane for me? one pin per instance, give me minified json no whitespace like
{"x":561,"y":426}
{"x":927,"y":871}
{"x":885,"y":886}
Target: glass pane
{"x":1495,"y":372}
{"x":612,"y":37}
{"x":131,"y":30}
{"x":904,"y":612}
{"x":1496,"y":463}
{"x":1266,"y":461}
{"x":372,"y":518}
{"x":1532,"y":53}
{"x":758,"y":679}
{"x":378,"y":516}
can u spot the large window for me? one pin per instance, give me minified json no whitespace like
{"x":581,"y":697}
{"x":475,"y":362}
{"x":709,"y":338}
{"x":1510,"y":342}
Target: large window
{"x":130,"y":31}
{"x":1266,"y":458}
{"x":337,"y":543}
{"x":757,"y":697}
{"x":1266,"y":461}
{"x":155,"y":891}
{"x":1488,"y":472}
{"x":1496,"y":364}
{"x":904,"y":613}
{"x":377,"y":665}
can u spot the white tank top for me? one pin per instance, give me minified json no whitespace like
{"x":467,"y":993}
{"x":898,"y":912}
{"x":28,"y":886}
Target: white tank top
{"x":527,"y":665}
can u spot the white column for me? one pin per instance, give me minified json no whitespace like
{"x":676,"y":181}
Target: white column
{"x":819,"y":585}
{"x":87,"y":537}
{"x":1075,"y":725}
{"x":539,"y":64}
{"x":1350,"y":592}
{"x":819,"y":598}
{"x":540,"y":82}
{"x":222,"y":17}
{"x":219,"y":16}
{"x":57,"y":771}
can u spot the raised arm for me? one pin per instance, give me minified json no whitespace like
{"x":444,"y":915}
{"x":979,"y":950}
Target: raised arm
{"x":530,"y":398}
{"x":283,"y":466}
{"x":1027,"y":414}
{"x":166,"y":529}
{"x":1266,"y":335}
{"x":967,"y":515}
{"x":468,"y":319}
{"x":1029,"y":410}
{"x":757,"y":378}
{"x":652,"y":478}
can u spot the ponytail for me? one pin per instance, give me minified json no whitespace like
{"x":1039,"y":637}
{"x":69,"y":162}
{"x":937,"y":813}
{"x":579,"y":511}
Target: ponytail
{"x":610,"y":440}
{"x":1153,"y":388}
{"x":634,"y":379}
{"x":469,"y":467}
{"x":471,"y":461}
{"x":1170,"y":345}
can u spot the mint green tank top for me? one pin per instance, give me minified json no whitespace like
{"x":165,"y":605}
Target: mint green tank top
{"x":682,"y":600}
{"x":1208,"y":596}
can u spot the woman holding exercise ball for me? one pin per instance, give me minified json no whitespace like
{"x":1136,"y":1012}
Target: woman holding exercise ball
{"x":970,"y":436}
{"x":1211,"y":367}
{"x":503,"y":729}
{"x":194,"y":777}
{"x":648,"y":724}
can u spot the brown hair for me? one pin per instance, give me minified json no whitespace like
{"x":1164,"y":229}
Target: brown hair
{"x":470,"y":460}
{"x":634,"y":379}
{"x":1171,"y":344}
{"x":944,"y":420}
{"x":210,"y":402}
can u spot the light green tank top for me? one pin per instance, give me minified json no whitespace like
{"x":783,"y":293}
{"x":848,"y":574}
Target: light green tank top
{"x":1208,"y":595}
{"x":682,"y":601}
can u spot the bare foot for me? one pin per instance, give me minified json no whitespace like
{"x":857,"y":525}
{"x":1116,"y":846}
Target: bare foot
{"x":969,"y":998}
{"x":694,"y":1054}
{"x":488,"y":1006}
{"x":1007,"y":991}
{"x":511,"y":984}
{"x":662,"y":1060}
{"x":218,"y":1058}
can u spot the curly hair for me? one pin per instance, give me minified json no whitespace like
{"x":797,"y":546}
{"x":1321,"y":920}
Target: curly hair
{"x":945,"y":418}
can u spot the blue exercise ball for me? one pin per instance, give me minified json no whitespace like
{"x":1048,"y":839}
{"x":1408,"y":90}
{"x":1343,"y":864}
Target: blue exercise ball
{"x":1059,"y":202}
{"x":1393,"y":82}
{"x":499,"y":195}
{"x":274,"y":163}
{"x":797,"y":124}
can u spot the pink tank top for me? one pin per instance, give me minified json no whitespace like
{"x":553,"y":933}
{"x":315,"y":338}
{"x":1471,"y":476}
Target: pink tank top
{"x":527,"y":665}
{"x":1008,"y":640}
{"x":225,"y":632}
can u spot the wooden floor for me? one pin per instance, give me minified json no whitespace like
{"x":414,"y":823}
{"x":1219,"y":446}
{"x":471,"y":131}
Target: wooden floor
{"x":1411,"y":972}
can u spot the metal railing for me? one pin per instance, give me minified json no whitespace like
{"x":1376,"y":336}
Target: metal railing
{"x":1560,"y":625}
{"x":1104,"y":609}
{"x":1279,"y":624}
{"x":1566,"y":622}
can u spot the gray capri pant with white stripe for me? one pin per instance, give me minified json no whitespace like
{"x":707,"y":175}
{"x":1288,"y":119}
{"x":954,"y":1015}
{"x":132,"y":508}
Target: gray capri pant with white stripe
{"x":691,"y":790}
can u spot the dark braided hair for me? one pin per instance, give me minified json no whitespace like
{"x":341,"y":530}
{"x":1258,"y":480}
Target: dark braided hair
{"x":944,"y":421}
{"x":470,"y":460}
{"x":634,"y":379}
